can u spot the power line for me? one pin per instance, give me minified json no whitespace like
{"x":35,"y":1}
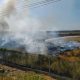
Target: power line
{"x":41,"y":3}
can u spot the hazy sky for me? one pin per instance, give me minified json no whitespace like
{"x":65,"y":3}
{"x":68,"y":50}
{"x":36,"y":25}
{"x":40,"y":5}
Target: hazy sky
{"x":62,"y":15}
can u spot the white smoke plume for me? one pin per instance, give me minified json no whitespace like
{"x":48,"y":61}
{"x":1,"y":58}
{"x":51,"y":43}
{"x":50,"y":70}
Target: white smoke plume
{"x":21,"y":27}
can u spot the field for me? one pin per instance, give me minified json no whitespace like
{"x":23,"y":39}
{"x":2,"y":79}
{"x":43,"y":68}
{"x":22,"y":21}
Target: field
{"x":8,"y":73}
{"x":69,"y":61}
{"x":66,"y":64}
{"x":72,"y":38}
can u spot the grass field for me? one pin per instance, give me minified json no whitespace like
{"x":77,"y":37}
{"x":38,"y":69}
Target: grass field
{"x":8,"y":73}
{"x":67,"y":63}
{"x":72,"y":38}
{"x":71,"y":56}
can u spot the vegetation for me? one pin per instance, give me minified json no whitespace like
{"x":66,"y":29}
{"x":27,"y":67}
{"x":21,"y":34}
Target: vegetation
{"x":8,"y":73}
{"x":72,"y":38}
{"x":66,"y":64}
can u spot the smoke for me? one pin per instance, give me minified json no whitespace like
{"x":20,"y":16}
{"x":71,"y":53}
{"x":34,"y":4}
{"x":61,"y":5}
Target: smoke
{"x":21,"y":27}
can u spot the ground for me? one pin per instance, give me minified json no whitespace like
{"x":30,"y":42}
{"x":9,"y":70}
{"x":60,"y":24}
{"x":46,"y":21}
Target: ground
{"x":8,"y":73}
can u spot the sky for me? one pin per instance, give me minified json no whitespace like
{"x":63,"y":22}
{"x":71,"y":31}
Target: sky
{"x":62,"y":15}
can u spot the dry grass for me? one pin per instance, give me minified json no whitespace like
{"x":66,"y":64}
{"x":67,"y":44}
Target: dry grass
{"x":71,"y":56}
{"x":70,"y":59}
{"x":72,"y":38}
{"x":14,"y":74}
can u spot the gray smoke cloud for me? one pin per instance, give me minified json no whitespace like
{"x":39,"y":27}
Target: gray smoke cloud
{"x":21,"y":27}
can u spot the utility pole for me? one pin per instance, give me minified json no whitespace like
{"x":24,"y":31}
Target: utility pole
{"x":49,"y":63}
